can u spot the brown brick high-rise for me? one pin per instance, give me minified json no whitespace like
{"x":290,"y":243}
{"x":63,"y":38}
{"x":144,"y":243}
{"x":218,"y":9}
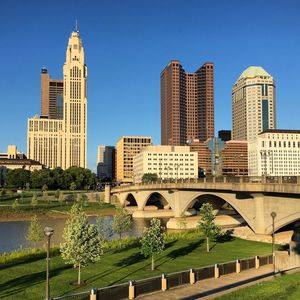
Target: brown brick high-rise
{"x":187,"y":104}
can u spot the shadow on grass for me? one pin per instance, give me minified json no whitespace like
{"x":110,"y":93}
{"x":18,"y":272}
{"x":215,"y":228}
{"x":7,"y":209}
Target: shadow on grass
{"x":130,"y":260}
{"x":16,"y":285}
{"x":183,"y":251}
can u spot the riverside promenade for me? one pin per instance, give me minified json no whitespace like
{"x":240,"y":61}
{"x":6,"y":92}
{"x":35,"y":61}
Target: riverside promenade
{"x":214,"y":287}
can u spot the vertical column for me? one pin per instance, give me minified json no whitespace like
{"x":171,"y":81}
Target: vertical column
{"x":259,"y":220}
{"x":107,"y":193}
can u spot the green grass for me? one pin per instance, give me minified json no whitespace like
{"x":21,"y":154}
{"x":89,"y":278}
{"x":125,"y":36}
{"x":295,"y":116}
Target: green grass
{"x":286,"y":287}
{"x":26,"y":280}
{"x":45,"y":207}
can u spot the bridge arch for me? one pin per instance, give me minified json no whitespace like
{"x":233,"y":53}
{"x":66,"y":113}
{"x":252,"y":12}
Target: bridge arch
{"x":157,"y":199}
{"x":218,"y":200}
{"x":130,"y":200}
{"x":281,"y":222}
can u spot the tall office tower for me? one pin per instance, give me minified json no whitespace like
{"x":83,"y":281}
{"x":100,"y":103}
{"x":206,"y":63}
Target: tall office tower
{"x":62,"y":143}
{"x":253,"y":104}
{"x":106,"y":162}
{"x":126,"y":149}
{"x":187,"y":104}
{"x":51,"y":96}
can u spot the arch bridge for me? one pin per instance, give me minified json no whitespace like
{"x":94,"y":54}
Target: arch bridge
{"x":252,"y":200}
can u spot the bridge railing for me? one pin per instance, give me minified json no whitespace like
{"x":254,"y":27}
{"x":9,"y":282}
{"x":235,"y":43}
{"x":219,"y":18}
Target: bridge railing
{"x":222,"y":179}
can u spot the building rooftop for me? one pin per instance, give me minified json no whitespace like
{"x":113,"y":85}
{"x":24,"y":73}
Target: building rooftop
{"x":254,"y":71}
{"x":281,"y":131}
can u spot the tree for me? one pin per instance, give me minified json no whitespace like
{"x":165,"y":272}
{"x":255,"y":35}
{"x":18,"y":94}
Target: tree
{"x":34,"y":200}
{"x":61,"y":197}
{"x":35,"y":231}
{"x":41,"y":178}
{"x":45,"y":188}
{"x":207,"y":224}
{"x":73,"y":186}
{"x":149,"y":177}
{"x":104,"y":228}
{"x":45,"y":196}
{"x":82,"y":244}
{"x":121,"y":221}
{"x":56,"y":194}
{"x":17,"y":178}
{"x":153,"y":241}
{"x":15,"y":204}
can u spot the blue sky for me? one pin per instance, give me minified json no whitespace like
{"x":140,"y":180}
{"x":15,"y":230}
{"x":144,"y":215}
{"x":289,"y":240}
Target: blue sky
{"x":128,"y":43}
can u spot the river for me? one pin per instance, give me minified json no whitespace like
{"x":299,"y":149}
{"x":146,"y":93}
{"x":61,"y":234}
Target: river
{"x":13,"y":233}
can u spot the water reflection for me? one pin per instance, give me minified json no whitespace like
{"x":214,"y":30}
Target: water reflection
{"x":13,"y":233}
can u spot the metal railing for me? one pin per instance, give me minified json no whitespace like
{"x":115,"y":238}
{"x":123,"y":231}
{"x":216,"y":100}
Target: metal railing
{"x":149,"y":285}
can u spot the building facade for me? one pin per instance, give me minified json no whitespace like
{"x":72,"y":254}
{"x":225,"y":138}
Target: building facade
{"x":62,"y":142}
{"x":216,"y":157}
{"x":187,"y":104}
{"x":168,"y":162}
{"x":106,"y":162}
{"x":275,"y":153}
{"x":126,"y":149}
{"x":51,"y":96}
{"x":253,"y":104}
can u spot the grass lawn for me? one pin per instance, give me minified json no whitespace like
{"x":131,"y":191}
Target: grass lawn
{"x":25,"y":209}
{"x":286,"y":287}
{"x":26,"y":280}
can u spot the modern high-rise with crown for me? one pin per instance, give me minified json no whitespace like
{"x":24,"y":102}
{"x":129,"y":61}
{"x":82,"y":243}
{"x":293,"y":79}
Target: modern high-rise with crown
{"x":253,"y":104}
{"x":57,"y":142}
{"x":187,"y":104}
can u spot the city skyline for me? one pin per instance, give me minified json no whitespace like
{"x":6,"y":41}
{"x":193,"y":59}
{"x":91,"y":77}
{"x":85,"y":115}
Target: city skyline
{"x":117,"y":50}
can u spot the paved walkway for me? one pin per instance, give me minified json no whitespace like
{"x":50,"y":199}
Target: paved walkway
{"x":212,"y":288}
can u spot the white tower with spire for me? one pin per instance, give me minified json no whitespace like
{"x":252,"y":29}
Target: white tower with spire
{"x":75,"y":103}
{"x":63,"y":143}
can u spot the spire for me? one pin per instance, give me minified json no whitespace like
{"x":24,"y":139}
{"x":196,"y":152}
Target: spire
{"x":77,"y":25}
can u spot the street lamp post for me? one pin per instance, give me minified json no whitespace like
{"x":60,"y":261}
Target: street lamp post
{"x":273,"y":215}
{"x":48,"y":231}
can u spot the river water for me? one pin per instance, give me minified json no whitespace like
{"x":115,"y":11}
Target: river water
{"x":13,"y":233}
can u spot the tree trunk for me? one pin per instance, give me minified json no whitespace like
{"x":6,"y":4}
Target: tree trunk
{"x":152,"y":263}
{"x":79,"y":280}
{"x":207,"y":244}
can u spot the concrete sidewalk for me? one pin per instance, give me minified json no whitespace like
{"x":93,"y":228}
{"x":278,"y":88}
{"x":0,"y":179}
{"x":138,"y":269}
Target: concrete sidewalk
{"x":212,"y":288}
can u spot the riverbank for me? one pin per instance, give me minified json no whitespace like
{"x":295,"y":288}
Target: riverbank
{"x":183,"y":251}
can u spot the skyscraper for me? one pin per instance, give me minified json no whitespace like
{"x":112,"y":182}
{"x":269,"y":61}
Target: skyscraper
{"x":58,"y":142}
{"x":106,"y":162}
{"x":51,"y":96}
{"x":187,"y":104}
{"x":253,"y":104}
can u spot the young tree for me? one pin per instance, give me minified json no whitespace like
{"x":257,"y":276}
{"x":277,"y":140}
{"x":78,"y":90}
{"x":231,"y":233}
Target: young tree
{"x":15,"y":204}
{"x":45,"y":188}
{"x":34,"y":200}
{"x":73,"y":186}
{"x":153,"y":241}
{"x":207,"y":224}
{"x":122,"y":221}
{"x":35,"y":231}
{"x":61,"y":197}
{"x":82,"y":242}
{"x":45,"y":196}
{"x":56,"y":194}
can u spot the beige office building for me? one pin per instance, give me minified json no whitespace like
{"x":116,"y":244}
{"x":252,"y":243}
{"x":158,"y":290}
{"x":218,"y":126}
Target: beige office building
{"x":275,"y":153}
{"x":126,"y":149}
{"x":62,"y":143}
{"x":168,"y":162}
{"x":253,"y":104}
